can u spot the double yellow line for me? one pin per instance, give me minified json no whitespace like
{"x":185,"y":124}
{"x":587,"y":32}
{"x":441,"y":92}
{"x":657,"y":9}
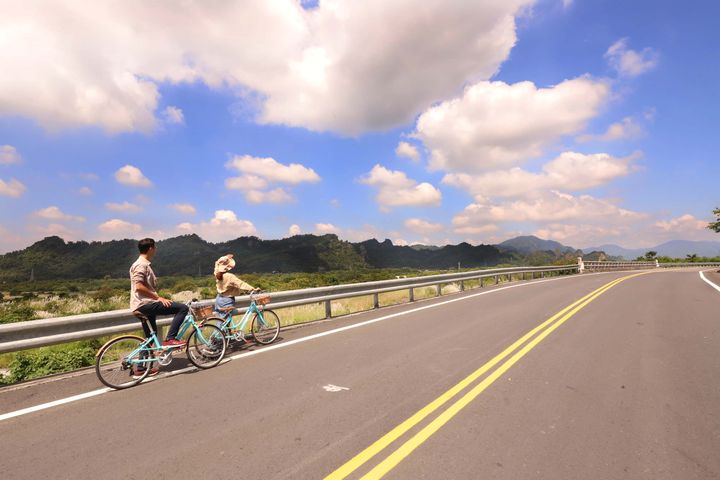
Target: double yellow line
{"x":547,"y":327}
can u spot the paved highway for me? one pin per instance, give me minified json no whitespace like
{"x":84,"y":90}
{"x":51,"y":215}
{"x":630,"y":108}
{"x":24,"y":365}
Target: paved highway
{"x":582,"y":377}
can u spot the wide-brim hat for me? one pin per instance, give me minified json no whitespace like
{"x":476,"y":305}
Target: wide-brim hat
{"x":224,"y":264}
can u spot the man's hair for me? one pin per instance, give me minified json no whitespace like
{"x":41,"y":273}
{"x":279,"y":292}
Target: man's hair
{"x":145,"y":244}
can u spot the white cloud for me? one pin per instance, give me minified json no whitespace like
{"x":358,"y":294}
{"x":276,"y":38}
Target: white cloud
{"x":627,"y":128}
{"x":10,"y":240}
{"x":395,"y":189}
{"x":123,"y":207}
{"x":404,"y":149}
{"x":184,"y":208}
{"x":56,"y":229}
{"x":272,"y":170}
{"x":423,"y":227}
{"x":325,"y":228}
{"x":495,"y":125}
{"x":116,"y":228}
{"x":132,"y":176}
{"x":550,"y":206}
{"x":582,"y":234}
{"x":225,"y":225}
{"x":630,"y":63}
{"x":173,"y":115}
{"x":85,"y":191}
{"x":8,"y":155}
{"x":260,"y":173}
{"x":684,"y":224}
{"x":570,"y":171}
{"x":54,"y":213}
{"x":11,"y":188}
{"x":276,"y":195}
{"x":344,"y":65}
{"x":294,"y":230}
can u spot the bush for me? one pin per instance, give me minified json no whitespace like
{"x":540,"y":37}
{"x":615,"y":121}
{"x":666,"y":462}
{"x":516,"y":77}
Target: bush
{"x":16,"y":312}
{"x":29,"y":365}
{"x":104,"y":294}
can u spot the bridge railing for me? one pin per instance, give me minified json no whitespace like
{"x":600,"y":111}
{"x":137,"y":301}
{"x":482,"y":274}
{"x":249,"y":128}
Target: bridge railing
{"x":51,"y":331}
{"x":602,"y":266}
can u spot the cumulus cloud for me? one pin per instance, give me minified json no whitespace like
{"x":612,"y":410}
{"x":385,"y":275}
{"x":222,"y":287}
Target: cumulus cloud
{"x":132,"y":176}
{"x":325,"y":228}
{"x":628,"y":62}
{"x":294,"y":230}
{"x":495,"y":125}
{"x":126,"y":207}
{"x":116,"y":228}
{"x":54,"y":213}
{"x":626,"y":128}
{"x":570,"y":171}
{"x":259,"y":174}
{"x":11,"y":188}
{"x":395,"y":189}
{"x":422,"y":227}
{"x":8,"y":155}
{"x":683,"y":224}
{"x":58,"y":229}
{"x":344,"y":65}
{"x":184,"y":208}
{"x":86,"y":191}
{"x":173,"y":115}
{"x":552,"y":206}
{"x":581,"y":234}
{"x":407,"y":150}
{"x":225,"y":225}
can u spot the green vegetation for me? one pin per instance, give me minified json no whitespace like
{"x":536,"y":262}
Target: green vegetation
{"x":715,"y":226}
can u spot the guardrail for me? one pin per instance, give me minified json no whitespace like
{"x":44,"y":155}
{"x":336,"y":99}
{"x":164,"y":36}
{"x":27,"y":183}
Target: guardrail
{"x":689,"y":264}
{"x":51,"y":331}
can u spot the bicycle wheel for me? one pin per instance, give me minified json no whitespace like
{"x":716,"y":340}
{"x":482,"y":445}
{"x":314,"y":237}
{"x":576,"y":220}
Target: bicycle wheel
{"x":206,"y":346}
{"x":265,"y":327}
{"x":117,"y":362}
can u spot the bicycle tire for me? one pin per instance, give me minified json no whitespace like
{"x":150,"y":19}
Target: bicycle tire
{"x":267,"y":333}
{"x":207,"y":349}
{"x":111,"y":366}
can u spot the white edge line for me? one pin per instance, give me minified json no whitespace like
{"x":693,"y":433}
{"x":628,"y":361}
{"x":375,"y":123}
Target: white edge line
{"x":709,"y":282}
{"x":94,"y":393}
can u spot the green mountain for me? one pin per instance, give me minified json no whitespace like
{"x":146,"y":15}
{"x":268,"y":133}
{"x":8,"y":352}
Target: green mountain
{"x":53,"y":258}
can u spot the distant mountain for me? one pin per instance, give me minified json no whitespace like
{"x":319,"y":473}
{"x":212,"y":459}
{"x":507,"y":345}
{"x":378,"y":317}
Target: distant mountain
{"x":673,"y":248}
{"x":53,"y":258}
{"x":529,"y":244}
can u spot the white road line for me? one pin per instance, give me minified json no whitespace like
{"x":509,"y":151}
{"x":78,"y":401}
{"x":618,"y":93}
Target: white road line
{"x":239,"y":356}
{"x":709,"y":282}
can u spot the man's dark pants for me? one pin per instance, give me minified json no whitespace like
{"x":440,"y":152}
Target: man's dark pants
{"x":152,"y":310}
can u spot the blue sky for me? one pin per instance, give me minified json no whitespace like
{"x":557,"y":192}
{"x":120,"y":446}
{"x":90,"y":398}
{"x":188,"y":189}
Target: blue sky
{"x":586,"y":122}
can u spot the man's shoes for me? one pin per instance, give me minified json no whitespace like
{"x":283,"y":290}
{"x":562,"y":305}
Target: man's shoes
{"x":173,"y":343}
{"x":139,"y":372}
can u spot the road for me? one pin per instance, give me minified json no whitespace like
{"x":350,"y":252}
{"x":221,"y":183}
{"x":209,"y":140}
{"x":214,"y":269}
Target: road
{"x":623,"y":385}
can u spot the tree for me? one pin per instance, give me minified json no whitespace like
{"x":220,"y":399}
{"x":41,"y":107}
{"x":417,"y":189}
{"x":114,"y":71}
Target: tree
{"x":692,"y":257}
{"x":650,"y":256}
{"x":715,"y":226}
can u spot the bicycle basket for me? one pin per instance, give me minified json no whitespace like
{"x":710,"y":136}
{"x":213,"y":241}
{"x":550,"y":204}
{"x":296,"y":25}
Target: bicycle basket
{"x":201,"y":313}
{"x":262,"y":299}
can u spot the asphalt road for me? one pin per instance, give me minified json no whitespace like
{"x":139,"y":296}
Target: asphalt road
{"x":624,"y":385}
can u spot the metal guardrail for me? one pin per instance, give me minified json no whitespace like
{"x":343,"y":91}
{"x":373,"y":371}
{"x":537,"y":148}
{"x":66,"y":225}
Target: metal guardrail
{"x":51,"y":331}
{"x":689,"y":264}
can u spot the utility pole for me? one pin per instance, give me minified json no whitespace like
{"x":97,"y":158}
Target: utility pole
{"x":32,"y":274}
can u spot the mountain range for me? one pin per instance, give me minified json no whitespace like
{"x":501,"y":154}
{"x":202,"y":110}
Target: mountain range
{"x":673,"y":249}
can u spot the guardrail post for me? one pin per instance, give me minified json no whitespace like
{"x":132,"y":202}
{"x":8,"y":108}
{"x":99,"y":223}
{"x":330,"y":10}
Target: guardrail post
{"x":462,"y":285}
{"x":328,"y":309}
{"x":376,"y":301}
{"x":497,"y":279}
{"x":411,"y":294}
{"x":438,"y":290}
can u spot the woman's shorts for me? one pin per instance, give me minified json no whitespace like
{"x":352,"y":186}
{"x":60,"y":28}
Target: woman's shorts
{"x":222,"y":303}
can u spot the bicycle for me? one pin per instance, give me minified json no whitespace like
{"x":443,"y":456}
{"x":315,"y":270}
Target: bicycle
{"x":264,"y":327}
{"x":127,"y":360}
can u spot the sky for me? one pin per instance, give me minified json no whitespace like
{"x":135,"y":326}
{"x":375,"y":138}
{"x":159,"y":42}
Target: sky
{"x":583,"y":121}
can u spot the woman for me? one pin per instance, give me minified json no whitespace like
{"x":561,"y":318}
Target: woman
{"x":227,"y":284}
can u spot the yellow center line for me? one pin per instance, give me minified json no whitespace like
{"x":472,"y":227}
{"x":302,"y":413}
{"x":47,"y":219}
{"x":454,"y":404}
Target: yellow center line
{"x":361,"y":458}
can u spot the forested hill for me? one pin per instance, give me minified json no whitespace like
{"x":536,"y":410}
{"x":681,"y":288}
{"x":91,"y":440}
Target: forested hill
{"x":53,"y":258}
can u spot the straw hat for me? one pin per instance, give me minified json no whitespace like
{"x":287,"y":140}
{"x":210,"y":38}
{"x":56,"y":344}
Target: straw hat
{"x":224,"y":264}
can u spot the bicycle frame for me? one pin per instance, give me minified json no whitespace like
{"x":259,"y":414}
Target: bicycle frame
{"x":229,"y":322}
{"x":153,"y":345}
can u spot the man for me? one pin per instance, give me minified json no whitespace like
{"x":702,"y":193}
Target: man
{"x":145,"y":299}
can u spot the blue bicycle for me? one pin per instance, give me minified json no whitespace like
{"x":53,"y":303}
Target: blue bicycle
{"x":127,"y":360}
{"x":264,"y":324}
